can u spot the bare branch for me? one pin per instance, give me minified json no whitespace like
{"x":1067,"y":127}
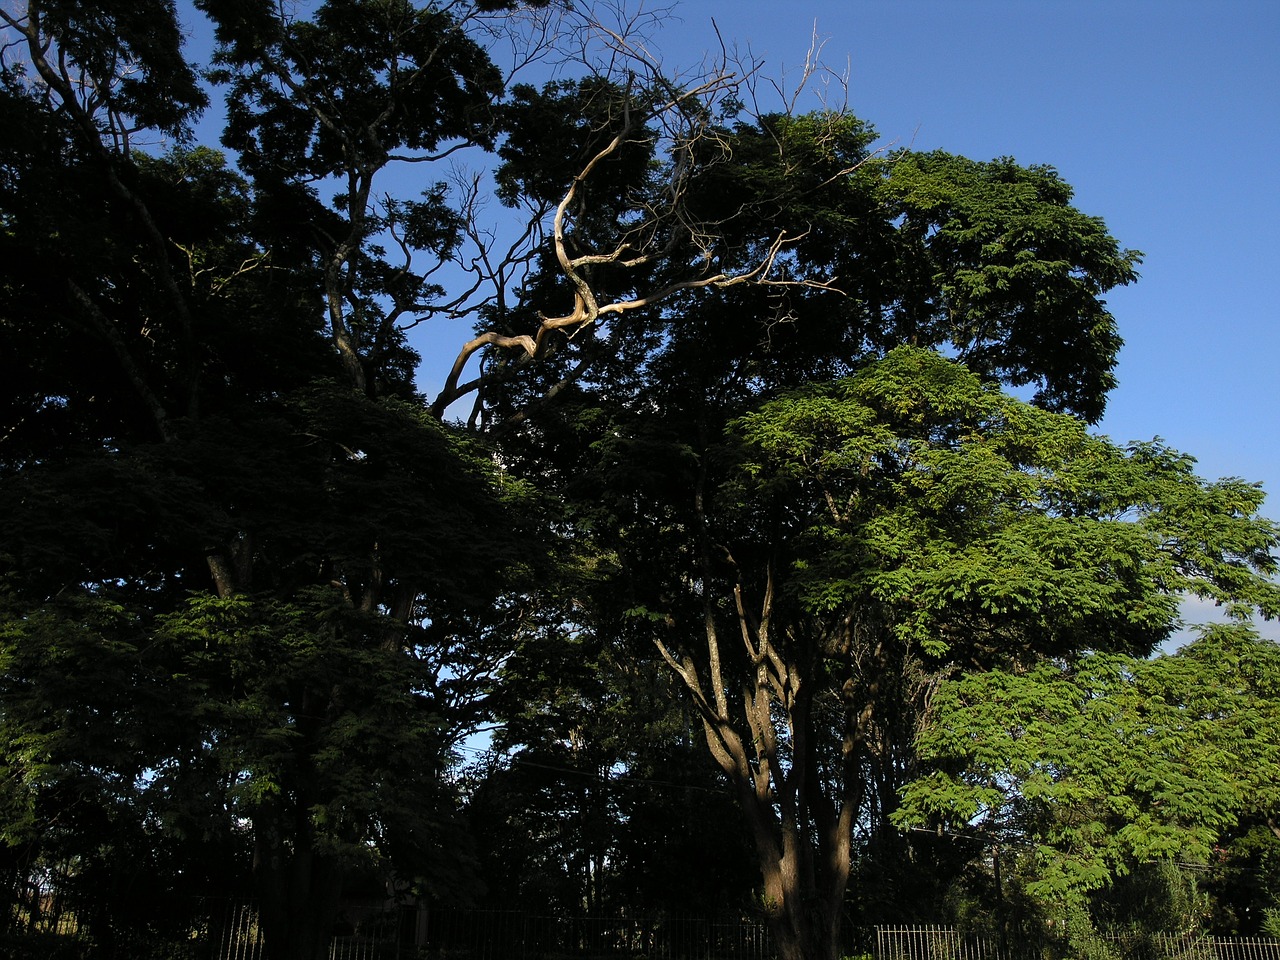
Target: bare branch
{"x":678,"y":116}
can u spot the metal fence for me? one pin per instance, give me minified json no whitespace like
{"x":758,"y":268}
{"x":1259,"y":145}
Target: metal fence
{"x":928,"y":942}
{"x":239,"y":936}
{"x":513,"y":935}
{"x":375,"y":933}
{"x":1167,"y":946}
{"x":498,"y":935}
{"x":947,"y":943}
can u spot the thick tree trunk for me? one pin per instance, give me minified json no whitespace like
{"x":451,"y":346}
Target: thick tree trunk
{"x":803,"y":917}
{"x":298,"y":905}
{"x":804,"y":878}
{"x":298,"y":888}
{"x":806,"y":936}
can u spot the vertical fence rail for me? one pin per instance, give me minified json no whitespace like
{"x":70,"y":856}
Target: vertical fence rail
{"x":924,"y":942}
{"x":507,"y":935}
{"x":240,"y":937}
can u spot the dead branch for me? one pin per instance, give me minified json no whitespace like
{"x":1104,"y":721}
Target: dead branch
{"x":679,"y":116}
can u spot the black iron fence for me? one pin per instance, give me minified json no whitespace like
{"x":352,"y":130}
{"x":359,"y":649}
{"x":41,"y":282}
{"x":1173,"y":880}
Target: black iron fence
{"x":497,"y":935}
{"x":450,"y":934}
{"x":376,"y":931}
{"x":946,"y":943}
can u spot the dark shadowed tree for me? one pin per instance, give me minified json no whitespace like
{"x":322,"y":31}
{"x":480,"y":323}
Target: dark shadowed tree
{"x":243,"y":586}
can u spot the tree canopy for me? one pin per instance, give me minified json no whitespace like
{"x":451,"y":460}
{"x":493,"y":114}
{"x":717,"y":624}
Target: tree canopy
{"x":1103,"y":764}
{"x":739,"y":477}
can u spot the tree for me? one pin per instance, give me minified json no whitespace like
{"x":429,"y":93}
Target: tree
{"x":301,"y":704}
{"x":852,"y":543}
{"x":636,"y":434}
{"x":1242,"y":881}
{"x":236,"y":474}
{"x":1104,"y":763}
{"x":288,"y":579}
{"x":125,"y":316}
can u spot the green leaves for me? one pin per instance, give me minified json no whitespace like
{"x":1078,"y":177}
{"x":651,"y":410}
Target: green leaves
{"x":1108,"y":761}
{"x":984,"y":527}
{"x":999,"y":265}
{"x":305,"y":705}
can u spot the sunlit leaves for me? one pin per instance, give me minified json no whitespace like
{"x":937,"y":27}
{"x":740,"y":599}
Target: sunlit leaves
{"x":984,"y":523}
{"x":1109,"y":761}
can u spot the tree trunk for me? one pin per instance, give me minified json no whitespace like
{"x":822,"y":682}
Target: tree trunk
{"x":801,"y":920}
{"x":803,"y":882}
{"x":299,"y":888}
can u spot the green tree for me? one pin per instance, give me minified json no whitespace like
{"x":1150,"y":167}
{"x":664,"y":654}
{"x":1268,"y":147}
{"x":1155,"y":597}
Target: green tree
{"x":249,"y":597}
{"x":636,"y":434}
{"x":1105,"y":763}
{"x":853,"y":543}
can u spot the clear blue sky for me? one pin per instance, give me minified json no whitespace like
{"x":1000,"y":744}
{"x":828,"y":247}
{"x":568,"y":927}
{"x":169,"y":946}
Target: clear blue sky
{"x":1163,"y":114}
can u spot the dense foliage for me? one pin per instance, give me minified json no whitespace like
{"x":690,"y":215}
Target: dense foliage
{"x":737,"y":476}
{"x":1100,"y":767}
